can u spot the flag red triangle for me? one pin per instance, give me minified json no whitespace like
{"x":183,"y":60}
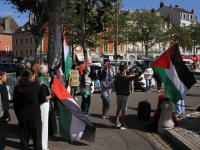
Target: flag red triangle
{"x":164,"y":60}
{"x":59,"y":90}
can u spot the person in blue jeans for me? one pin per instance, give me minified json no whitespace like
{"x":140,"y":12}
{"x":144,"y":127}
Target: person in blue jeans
{"x":105,"y":96}
{"x":180,"y":109}
{"x":148,"y":77}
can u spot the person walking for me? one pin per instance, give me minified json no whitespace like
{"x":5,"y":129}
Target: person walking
{"x":158,"y":81}
{"x":122,"y":82}
{"x":105,"y":96}
{"x":180,"y":108}
{"x":45,"y":96}
{"x":4,"y":110}
{"x":85,"y":88}
{"x":28,"y":65}
{"x":27,"y":109}
{"x":148,"y":77}
{"x":74,"y":88}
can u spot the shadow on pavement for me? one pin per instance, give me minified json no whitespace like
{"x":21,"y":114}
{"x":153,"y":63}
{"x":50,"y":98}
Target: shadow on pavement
{"x":13,"y":130}
{"x":12,"y":144}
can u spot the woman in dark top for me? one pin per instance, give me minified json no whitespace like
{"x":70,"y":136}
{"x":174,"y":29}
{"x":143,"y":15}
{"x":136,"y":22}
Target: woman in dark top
{"x":27,"y":110}
{"x":4,"y":107}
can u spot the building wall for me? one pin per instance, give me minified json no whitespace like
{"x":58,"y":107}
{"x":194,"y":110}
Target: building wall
{"x":5,"y":41}
{"x":22,"y":45}
{"x":175,"y":16}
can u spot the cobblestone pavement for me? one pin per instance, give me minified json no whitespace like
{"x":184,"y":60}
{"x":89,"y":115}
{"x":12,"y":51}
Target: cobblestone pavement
{"x":187,"y":134}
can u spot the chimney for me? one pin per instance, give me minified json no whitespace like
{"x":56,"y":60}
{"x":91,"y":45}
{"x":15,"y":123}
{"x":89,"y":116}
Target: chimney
{"x":170,"y":6}
{"x":7,"y":25}
{"x":161,"y":4}
{"x":30,"y":18}
{"x":153,"y":11}
{"x":176,"y":6}
{"x":192,"y":11}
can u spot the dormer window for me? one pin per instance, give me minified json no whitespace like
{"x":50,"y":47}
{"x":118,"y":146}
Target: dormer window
{"x":183,"y":16}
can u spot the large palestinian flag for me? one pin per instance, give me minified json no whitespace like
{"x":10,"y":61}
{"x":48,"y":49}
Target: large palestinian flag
{"x":174,"y":74}
{"x":73,"y":124}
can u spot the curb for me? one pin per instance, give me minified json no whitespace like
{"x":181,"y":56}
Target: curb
{"x":181,"y":142}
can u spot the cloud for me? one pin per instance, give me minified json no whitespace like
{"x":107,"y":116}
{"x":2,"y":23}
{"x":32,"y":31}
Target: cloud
{"x":7,"y":13}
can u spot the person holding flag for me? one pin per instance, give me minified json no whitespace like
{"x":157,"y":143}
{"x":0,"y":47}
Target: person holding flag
{"x":171,"y":68}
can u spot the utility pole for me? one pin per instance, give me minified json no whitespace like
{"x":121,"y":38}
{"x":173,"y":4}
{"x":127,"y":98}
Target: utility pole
{"x":116,"y":43}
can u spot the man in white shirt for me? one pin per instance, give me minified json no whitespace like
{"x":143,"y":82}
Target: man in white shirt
{"x":148,"y":77}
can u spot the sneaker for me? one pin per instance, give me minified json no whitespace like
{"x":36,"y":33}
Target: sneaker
{"x":76,"y":99}
{"x":158,"y":91}
{"x":87,"y":114}
{"x":124,"y":127}
{"x":105,"y":117}
{"x":118,"y":124}
{"x":149,"y":91}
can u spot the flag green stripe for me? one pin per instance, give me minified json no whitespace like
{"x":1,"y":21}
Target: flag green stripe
{"x":67,"y":65}
{"x":65,"y":118}
{"x":170,"y":89}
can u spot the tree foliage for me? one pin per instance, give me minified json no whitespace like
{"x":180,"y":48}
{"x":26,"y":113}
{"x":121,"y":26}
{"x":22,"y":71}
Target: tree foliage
{"x":180,"y":34}
{"x":145,"y":27}
{"x":194,"y":33}
{"x":98,"y":20}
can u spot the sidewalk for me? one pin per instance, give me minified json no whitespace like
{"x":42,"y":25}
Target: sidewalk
{"x":187,"y":135}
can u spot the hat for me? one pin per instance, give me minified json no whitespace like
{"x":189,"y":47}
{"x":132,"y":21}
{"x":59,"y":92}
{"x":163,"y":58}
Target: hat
{"x":22,"y":62}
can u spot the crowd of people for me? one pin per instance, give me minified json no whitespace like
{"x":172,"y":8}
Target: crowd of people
{"x":32,"y":96}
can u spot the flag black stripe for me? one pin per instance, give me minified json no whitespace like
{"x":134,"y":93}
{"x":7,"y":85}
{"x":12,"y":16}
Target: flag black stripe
{"x":183,"y":73}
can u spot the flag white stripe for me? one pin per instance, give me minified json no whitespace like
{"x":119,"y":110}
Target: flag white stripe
{"x":172,"y":75}
{"x":77,"y":128}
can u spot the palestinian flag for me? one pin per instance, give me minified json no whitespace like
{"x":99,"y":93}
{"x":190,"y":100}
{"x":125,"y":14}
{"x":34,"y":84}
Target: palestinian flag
{"x":66,"y":58}
{"x":73,"y":124}
{"x":174,"y":74}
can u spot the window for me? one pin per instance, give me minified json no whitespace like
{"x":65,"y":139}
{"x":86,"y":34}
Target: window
{"x":16,"y":53}
{"x":21,"y":41}
{"x":164,"y":48}
{"x":190,"y":17}
{"x":31,"y":41}
{"x":26,"y":40}
{"x":183,"y":16}
{"x":31,"y":52}
{"x":183,"y":25}
{"x":7,"y":50}
{"x":121,"y":47}
{"x":183,"y":49}
{"x":16,"y":42}
{"x":105,"y":48}
{"x":26,"y":52}
{"x":21,"y":53}
{"x":36,"y":39}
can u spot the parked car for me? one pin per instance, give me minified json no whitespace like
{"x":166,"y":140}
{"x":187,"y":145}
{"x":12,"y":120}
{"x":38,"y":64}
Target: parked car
{"x":11,"y":81}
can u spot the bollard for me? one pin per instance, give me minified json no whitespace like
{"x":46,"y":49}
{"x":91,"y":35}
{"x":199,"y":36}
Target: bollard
{"x":165,"y":121}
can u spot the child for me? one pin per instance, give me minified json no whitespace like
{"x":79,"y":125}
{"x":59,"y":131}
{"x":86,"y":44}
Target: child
{"x":105,"y":96}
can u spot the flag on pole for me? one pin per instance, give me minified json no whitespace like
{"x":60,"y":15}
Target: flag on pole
{"x":109,"y":76}
{"x":66,"y":57}
{"x":171,"y":68}
{"x":73,"y":124}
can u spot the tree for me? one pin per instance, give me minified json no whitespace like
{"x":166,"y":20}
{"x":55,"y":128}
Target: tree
{"x":180,"y":34}
{"x":145,"y":27}
{"x":47,"y":12}
{"x":90,"y":23}
{"x":194,"y":33}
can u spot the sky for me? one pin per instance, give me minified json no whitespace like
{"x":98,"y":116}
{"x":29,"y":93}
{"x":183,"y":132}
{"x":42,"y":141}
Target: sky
{"x":6,"y":9}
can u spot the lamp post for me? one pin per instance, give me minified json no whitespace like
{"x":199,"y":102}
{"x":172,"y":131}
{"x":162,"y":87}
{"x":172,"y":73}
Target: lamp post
{"x":116,"y":46}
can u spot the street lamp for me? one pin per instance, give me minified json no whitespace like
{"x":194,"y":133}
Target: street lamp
{"x":116,"y":46}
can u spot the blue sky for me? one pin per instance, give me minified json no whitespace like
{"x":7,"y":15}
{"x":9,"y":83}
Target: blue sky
{"x":6,"y":9}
